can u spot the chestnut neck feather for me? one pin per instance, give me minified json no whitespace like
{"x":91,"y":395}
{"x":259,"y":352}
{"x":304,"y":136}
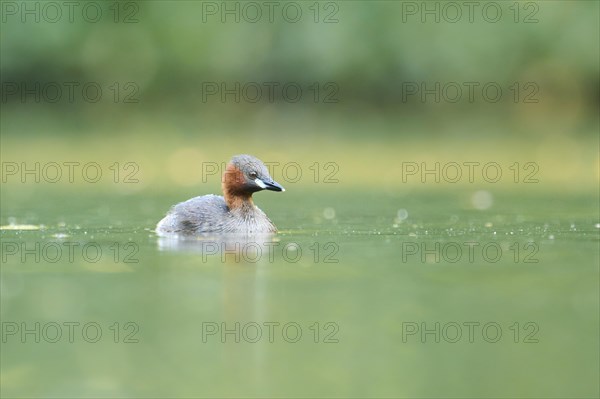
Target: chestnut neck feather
{"x":234,"y":190}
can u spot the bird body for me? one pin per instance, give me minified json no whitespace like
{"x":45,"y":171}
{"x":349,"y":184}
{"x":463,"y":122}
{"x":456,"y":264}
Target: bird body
{"x":234,"y":212}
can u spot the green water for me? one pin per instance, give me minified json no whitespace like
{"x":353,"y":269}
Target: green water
{"x":340,"y":296}
{"x":383,"y":282}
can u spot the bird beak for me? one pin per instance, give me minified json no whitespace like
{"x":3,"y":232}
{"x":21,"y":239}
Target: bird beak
{"x":272,"y":185}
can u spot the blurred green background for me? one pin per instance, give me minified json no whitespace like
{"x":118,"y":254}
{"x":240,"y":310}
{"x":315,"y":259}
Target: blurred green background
{"x":370,"y":54}
{"x":155,"y":60}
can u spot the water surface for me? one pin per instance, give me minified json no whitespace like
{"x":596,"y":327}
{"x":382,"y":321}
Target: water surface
{"x":358,"y":295}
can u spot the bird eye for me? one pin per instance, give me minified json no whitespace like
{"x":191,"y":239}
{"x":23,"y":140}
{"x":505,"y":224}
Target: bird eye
{"x":253,"y":175}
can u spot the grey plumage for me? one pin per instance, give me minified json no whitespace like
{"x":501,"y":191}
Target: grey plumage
{"x":234,"y":213}
{"x":209,"y":213}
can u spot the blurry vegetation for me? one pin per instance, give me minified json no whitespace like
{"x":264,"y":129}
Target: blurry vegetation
{"x":370,"y":54}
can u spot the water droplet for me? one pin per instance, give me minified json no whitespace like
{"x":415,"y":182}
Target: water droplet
{"x":402,"y":214}
{"x":329,"y":213}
